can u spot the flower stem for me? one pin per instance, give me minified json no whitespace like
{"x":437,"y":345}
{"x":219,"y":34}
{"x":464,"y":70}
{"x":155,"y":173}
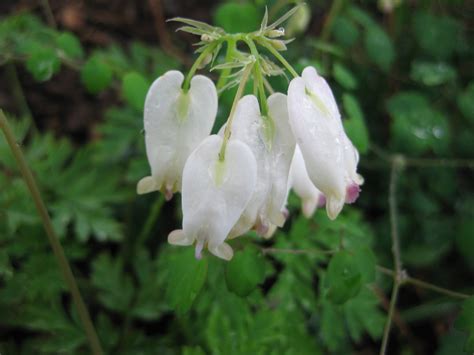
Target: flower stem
{"x":280,"y":58}
{"x":397,"y":163}
{"x":53,"y":239}
{"x":258,"y":77}
{"x":238,"y":95}
{"x":197,"y":63}
{"x":231,"y":46}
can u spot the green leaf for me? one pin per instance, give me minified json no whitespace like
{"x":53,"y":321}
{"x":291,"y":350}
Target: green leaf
{"x":365,"y":260}
{"x":237,"y":17}
{"x":438,"y":36}
{"x":6,"y":270}
{"x":432,"y":74}
{"x":466,"y":102}
{"x":344,"y":76}
{"x":345,"y":32}
{"x":343,"y":278}
{"x":115,"y":288}
{"x":355,"y":125}
{"x":186,"y":277}
{"x":379,"y":47}
{"x":465,"y":322}
{"x":465,"y":241}
{"x":416,"y":126}
{"x":43,"y":63}
{"x":70,"y":45}
{"x":245,"y":271}
{"x":134,"y":89}
{"x":96,"y":75}
{"x":363,"y":314}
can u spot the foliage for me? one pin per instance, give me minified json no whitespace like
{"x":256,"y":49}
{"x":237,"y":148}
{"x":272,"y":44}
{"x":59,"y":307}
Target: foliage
{"x":404,"y":86}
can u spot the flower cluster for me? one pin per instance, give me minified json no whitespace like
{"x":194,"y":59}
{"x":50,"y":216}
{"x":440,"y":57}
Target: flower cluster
{"x":239,"y":179}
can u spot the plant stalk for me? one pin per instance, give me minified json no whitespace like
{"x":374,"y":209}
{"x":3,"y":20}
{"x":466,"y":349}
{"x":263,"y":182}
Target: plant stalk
{"x":52,"y":237}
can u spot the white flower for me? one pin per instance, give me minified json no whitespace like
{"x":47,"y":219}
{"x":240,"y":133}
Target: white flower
{"x":175,"y":123}
{"x":299,"y":181}
{"x":330,"y":158}
{"x":272,"y":143}
{"x":214,"y":195}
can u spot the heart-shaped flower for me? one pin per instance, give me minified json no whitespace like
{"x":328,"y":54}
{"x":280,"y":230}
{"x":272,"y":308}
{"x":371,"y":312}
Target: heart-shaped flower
{"x":214,"y":195}
{"x":330,"y":158}
{"x":272,"y":143}
{"x":175,"y":123}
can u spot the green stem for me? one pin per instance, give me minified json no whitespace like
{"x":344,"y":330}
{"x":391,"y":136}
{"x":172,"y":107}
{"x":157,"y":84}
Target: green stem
{"x":280,"y":58}
{"x":231,"y":46}
{"x":258,"y":77}
{"x":151,"y":219}
{"x":238,"y":95}
{"x":197,"y":63}
{"x":53,"y":239}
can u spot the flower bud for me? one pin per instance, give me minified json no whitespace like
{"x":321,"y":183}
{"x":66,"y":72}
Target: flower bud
{"x":276,"y":33}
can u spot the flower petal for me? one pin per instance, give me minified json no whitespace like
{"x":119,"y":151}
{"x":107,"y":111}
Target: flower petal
{"x":304,"y":188}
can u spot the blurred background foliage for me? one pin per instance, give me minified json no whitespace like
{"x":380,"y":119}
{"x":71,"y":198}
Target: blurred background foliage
{"x":73,"y":80}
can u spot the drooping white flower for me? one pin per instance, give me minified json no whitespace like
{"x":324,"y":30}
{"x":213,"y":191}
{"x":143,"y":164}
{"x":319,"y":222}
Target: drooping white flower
{"x":272,"y":143}
{"x":330,"y":158}
{"x":214,"y":195}
{"x":299,"y":181}
{"x":175,"y":123}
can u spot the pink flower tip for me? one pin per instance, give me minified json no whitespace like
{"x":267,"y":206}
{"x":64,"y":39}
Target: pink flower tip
{"x":352,"y":193}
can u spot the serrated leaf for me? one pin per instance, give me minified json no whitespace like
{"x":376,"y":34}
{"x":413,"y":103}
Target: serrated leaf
{"x":343,"y":278}
{"x":185,"y":279}
{"x":115,"y":288}
{"x":245,"y":271}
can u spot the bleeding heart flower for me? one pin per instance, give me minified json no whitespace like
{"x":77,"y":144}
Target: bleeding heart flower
{"x":330,"y":158}
{"x":175,"y":123}
{"x":299,"y":181}
{"x":272,"y":143}
{"x":214,"y":195}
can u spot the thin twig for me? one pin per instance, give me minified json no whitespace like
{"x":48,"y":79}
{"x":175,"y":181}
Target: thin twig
{"x":49,"y":13}
{"x":445,"y":163}
{"x":327,"y":27}
{"x":297,"y":251}
{"x":397,"y":163}
{"x":424,"y":284}
{"x":163,"y":35}
{"x":52,"y":237}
